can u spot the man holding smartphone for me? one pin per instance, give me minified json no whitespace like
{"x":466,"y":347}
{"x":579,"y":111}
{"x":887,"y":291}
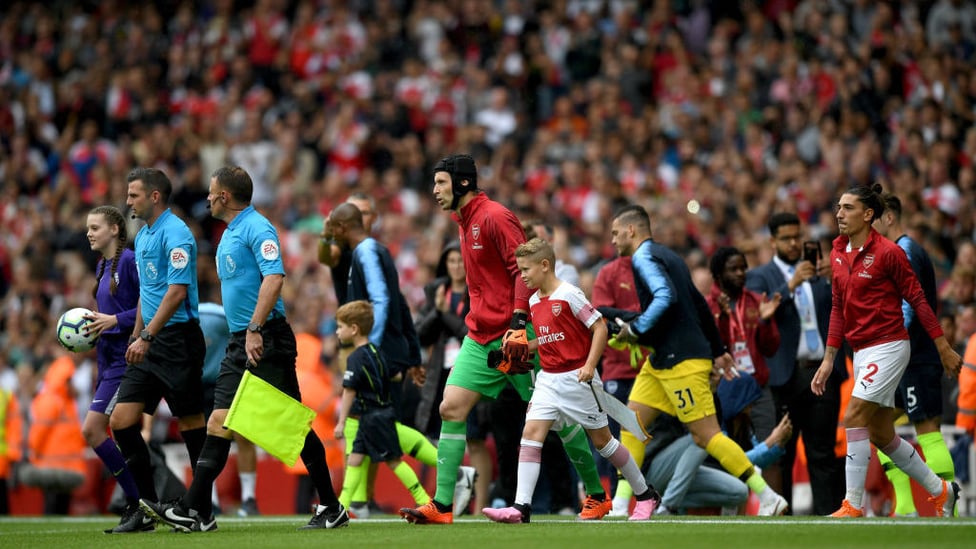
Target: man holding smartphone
{"x":802,"y":318}
{"x":811,"y":251}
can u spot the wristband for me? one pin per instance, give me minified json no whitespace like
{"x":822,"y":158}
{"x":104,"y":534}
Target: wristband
{"x":518,"y":321}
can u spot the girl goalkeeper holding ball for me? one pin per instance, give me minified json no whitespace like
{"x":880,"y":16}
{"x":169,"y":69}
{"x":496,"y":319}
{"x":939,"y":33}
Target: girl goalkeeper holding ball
{"x":117,"y":294}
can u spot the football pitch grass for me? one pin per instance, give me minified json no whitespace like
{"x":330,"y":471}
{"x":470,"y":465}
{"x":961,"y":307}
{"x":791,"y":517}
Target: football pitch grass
{"x":545,"y":532}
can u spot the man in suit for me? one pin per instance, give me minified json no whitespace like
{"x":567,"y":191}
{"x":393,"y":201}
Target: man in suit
{"x":802,"y":318}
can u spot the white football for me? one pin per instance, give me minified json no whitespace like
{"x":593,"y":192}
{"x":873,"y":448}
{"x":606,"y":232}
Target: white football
{"x":71,"y":331}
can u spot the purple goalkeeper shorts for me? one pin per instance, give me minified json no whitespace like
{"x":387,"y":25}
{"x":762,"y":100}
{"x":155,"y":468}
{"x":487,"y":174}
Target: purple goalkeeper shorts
{"x":107,"y":385}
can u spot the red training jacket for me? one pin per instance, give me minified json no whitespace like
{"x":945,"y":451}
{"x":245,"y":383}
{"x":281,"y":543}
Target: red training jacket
{"x":489,"y":234}
{"x":867,"y":293}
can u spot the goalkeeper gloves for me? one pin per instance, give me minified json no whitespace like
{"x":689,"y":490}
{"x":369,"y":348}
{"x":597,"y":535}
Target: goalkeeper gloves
{"x":497,"y":361}
{"x":635,"y":350}
{"x":625,"y":334}
{"x":515,"y":344}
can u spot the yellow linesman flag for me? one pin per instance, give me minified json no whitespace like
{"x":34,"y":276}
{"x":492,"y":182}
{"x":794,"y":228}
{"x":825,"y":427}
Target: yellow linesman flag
{"x":269,"y":418}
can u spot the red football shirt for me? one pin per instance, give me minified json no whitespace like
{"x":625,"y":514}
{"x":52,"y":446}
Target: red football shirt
{"x":562,"y":324}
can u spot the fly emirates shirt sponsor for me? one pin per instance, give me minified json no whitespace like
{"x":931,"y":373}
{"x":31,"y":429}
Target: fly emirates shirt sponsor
{"x":562,"y":324}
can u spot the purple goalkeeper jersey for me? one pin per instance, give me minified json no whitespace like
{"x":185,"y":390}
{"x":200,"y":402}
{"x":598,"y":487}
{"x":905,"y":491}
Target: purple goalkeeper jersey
{"x":113,"y":343}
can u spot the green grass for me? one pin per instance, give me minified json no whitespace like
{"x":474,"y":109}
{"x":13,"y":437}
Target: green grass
{"x":545,"y":532}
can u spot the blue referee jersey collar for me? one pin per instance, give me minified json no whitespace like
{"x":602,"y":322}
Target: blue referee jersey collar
{"x":246,"y":212}
{"x":159,"y":220}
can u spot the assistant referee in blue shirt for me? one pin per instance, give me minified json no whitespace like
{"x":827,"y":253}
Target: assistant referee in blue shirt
{"x":165,"y":353}
{"x":251,"y":275}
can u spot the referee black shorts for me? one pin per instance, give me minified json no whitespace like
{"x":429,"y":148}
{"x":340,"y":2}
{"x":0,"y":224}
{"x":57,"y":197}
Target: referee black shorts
{"x":172,"y":369}
{"x":277,"y":364}
{"x":920,"y":392}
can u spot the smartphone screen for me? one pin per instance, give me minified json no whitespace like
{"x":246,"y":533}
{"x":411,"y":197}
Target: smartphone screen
{"x":811,"y":251}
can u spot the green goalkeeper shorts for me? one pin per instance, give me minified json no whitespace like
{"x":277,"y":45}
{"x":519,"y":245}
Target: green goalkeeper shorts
{"x":471,"y":371}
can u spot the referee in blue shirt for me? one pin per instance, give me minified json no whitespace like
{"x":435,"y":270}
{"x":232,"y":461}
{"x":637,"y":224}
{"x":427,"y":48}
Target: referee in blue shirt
{"x":251,"y":275}
{"x":165,"y":353}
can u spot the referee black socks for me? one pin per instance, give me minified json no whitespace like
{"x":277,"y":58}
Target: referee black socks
{"x":213,"y":457}
{"x":136,"y":454}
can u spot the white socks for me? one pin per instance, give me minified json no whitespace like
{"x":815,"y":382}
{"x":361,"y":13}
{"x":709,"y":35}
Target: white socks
{"x":858,"y":455}
{"x":906,"y":458}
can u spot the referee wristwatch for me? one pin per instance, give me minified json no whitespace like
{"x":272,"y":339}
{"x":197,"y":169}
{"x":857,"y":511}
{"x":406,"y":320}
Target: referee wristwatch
{"x":146,"y":336}
{"x":254,"y":327}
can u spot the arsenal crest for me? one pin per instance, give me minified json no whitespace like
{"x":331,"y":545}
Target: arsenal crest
{"x":868,"y":260}
{"x":557,"y":308}
{"x":476,"y":231}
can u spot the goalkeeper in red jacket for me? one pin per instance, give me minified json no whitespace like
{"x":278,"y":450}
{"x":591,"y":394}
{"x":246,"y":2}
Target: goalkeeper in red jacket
{"x":489,"y":234}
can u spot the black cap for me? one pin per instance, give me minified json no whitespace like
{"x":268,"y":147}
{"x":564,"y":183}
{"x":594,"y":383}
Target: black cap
{"x":461,"y":167}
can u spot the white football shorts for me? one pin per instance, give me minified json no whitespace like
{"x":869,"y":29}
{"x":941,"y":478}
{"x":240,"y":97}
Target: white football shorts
{"x":562,"y":399}
{"x":878,"y":369}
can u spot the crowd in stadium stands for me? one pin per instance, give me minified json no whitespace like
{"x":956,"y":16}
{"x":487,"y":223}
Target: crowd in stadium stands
{"x":712,"y":115}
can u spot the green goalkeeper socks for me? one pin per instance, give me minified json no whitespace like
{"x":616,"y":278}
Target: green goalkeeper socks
{"x":450,"y":454}
{"x":577,"y":447}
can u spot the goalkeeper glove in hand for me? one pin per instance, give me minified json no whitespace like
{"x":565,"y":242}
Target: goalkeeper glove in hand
{"x":497,"y":361}
{"x":515,"y":344}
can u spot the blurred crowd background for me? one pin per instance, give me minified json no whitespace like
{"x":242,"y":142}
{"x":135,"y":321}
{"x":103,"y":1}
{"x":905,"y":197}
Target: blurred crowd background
{"x":712,"y":115}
